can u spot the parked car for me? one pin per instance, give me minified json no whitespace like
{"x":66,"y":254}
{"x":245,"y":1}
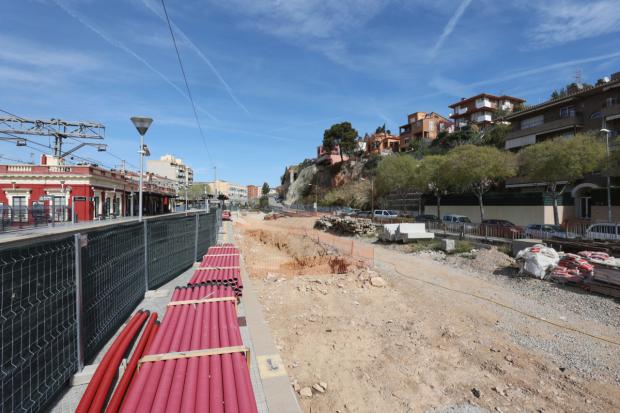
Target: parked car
{"x":363,"y":214}
{"x":609,"y":231}
{"x":455,"y":219}
{"x":347,"y":211}
{"x":384,"y":214}
{"x":500,"y":228}
{"x":226,"y":215}
{"x":548,"y":231}
{"x":427,"y":218}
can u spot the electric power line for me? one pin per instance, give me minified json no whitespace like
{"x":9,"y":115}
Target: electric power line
{"x":189,"y":93}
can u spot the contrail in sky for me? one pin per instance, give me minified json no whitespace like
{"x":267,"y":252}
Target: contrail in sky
{"x":126,"y":49}
{"x":199,"y":52}
{"x":449,"y":27}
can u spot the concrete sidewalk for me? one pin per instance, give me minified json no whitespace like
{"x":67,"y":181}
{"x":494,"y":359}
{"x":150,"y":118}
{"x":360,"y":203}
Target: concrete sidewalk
{"x":270,"y":382}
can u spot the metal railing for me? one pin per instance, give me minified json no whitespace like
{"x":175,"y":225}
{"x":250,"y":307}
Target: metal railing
{"x":64,"y":296}
{"x":16,"y":218}
{"x":572,"y":231}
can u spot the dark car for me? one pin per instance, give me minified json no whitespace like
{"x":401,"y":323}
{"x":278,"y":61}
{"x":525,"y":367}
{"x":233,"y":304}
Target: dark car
{"x":500,"y":228}
{"x":427,"y":218}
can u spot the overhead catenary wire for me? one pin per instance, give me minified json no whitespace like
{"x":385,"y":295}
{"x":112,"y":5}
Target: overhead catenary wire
{"x":189,"y":92}
{"x":85,"y":159}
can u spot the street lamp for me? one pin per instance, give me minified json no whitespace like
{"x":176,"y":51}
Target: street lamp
{"x":607,"y":132}
{"x":142,"y":125}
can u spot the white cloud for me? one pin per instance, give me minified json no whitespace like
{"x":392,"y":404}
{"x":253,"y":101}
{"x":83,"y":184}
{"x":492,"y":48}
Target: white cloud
{"x":318,"y":19}
{"x":563,"y":21}
{"x":449,"y":28}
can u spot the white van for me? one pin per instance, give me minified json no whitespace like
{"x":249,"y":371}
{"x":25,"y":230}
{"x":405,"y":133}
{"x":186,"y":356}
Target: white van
{"x":603,"y":232}
{"x":384,"y":214}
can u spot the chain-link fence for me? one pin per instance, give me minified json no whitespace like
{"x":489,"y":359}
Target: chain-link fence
{"x":37,"y":323}
{"x":62,"y":298}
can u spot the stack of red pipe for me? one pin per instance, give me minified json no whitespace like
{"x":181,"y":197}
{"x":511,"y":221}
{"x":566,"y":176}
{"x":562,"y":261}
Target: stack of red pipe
{"x":213,"y":383}
{"x":220,"y":266}
{"x":98,"y":389}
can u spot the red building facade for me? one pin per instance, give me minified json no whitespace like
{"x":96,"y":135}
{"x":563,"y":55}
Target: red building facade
{"x":90,"y":192}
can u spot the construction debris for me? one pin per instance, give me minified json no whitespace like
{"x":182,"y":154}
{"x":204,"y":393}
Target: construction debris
{"x":404,"y":232}
{"x":345,"y":225}
{"x":538,"y":261}
{"x":572,"y":268}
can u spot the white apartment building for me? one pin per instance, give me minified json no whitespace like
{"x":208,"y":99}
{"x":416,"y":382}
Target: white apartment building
{"x":172,"y":168}
{"x":235,"y":192}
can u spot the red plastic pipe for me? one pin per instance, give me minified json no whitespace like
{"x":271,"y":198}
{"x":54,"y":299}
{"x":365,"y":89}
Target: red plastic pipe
{"x":95,"y":381}
{"x":123,"y":384}
{"x":144,"y":386}
{"x":106,"y":382}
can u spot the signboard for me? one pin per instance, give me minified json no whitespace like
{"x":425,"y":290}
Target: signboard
{"x":46,"y":198}
{"x":80,"y":198}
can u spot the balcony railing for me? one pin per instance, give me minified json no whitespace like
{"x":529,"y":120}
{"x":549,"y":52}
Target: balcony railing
{"x":611,"y":110}
{"x":575,"y":121}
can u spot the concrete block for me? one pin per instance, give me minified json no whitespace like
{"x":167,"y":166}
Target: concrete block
{"x":84,"y":376}
{"x":156,"y":293}
{"x":447,"y":244}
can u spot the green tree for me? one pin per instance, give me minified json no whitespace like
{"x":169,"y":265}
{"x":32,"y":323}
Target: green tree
{"x":561,"y":161}
{"x":198,"y":191}
{"x":478,"y":168}
{"x":430,"y":177}
{"x":396,"y":173}
{"x":466,"y":135}
{"x":342,"y":135}
{"x":352,"y":194}
{"x":264,"y":199}
{"x":496,"y":135}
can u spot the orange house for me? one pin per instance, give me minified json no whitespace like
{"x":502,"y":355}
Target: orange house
{"x":422,"y":127}
{"x":382,"y":143}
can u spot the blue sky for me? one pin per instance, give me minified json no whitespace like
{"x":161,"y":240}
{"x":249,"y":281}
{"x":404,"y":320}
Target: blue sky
{"x":269,"y":76}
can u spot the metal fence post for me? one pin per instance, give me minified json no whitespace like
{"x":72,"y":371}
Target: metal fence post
{"x":146,"y":257}
{"x":196,"y":237}
{"x":78,"y":300}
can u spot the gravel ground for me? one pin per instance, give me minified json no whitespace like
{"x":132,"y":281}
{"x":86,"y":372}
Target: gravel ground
{"x":464,"y":408}
{"x":564,"y":299}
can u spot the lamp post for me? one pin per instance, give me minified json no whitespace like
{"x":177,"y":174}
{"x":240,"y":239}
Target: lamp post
{"x":142,"y":125}
{"x":607,"y":132}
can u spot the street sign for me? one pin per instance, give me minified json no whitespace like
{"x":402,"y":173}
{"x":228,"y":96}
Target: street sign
{"x":80,"y":198}
{"x":46,"y":198}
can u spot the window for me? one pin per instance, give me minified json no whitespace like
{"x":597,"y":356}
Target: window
{"x":20,"y":210}
{"x":532,"y":122}
{"x":609,"y":102}
{"x":431,"y":125}
{"x":567,"y":112}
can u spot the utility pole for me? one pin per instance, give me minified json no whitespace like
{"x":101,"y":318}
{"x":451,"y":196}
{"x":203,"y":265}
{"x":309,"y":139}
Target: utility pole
{"x":607,"y":132}
{"x":215,"y":188}
{"x":186,"y":185}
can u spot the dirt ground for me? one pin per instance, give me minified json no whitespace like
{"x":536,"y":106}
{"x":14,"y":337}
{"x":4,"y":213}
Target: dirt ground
{"x":441,"y":335}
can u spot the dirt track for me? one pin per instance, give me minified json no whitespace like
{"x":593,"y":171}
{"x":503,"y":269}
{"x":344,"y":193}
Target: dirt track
{"x":414,"y":346}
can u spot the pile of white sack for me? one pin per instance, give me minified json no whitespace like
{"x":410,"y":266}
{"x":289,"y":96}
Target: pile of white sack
{"x":538,"y":261}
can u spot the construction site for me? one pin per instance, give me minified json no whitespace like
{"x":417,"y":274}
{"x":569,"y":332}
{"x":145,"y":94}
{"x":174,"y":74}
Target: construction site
{"x":370,"y":327}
